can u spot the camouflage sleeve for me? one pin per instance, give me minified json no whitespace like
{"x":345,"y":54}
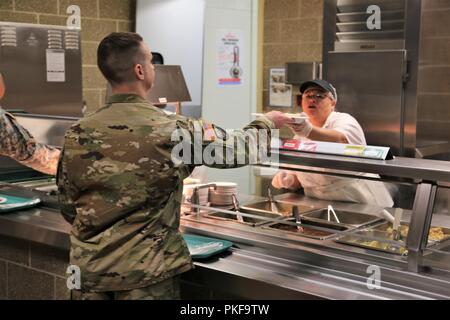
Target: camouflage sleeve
{"x":17,"y":143}
{"x":199,"y":142}
{"x":65,"y":194}
{"x":44,"y":159}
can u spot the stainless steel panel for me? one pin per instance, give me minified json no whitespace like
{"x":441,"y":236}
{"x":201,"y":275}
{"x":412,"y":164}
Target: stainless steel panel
{"x":46,"y":129}
{"x":370,"y":45}
{"x":24,"y":67}
{"x":362,"y":16}
{"x":412,"y":41}
{"x":370,"y":35}
{"x":345,"y":6}
{"x":362,"y":26}
{"x":299,"y":72}
{"x":328,"y":33}
{"x":352,"y":18}
{"x":369,"y":86}
{"x":420,"y":224}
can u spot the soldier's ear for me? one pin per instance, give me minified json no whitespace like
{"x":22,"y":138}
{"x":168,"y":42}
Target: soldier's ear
{"x":139,"y":71}
{"x":2,"y":87}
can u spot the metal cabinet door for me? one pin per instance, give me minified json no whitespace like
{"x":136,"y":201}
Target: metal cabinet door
{"x":370,"y":88}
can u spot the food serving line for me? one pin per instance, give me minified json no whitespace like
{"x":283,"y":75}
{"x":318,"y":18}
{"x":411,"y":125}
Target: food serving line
{"x":297,"y":249}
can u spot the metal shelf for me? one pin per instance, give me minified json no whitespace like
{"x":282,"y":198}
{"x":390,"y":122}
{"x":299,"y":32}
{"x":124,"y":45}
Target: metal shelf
{"x":423,"y":169}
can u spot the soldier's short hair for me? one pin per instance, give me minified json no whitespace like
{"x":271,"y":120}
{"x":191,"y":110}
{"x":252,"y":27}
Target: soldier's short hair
{"x":117,"y":54}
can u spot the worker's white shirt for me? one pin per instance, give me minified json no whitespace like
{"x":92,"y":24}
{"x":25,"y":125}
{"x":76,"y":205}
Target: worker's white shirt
{"x":345,"y":189}
{"x":347,"y":125}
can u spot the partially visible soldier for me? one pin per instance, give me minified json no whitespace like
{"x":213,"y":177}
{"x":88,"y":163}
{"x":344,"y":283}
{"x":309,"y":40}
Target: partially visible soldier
{"x":120,"y":187}
{"x":17,"y":143}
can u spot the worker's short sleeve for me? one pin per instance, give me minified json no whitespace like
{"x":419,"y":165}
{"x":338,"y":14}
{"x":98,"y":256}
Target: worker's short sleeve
{"x":349,"y":127}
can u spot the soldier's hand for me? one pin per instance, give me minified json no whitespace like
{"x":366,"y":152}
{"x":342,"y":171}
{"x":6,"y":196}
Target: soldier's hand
{"x":285,"y":180}
{"x":278,"y":118}
{"x":302,"y":127}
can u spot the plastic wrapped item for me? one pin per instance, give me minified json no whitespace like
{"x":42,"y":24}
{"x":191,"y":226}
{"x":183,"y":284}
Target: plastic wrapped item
{"x":203,"y":247}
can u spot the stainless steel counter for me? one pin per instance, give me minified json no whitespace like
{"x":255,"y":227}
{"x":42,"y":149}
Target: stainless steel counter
{"x":266,"y":266}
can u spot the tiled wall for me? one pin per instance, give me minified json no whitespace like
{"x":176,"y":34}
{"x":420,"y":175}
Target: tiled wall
{"x":99,"y":18}
{"x":434,"y":71}
{"x":32,"y":271}
{"x":292,"y":33}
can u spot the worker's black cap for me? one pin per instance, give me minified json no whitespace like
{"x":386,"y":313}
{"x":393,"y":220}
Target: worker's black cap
{"x":325,"y":85}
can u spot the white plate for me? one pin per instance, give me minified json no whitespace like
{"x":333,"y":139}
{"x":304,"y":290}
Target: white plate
{"x":225,"y":184}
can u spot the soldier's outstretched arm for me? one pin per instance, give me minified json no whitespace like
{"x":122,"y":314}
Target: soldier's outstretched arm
{"x":44,"y":159}
{"x":17,"y":143}
{"x":202,"y":143}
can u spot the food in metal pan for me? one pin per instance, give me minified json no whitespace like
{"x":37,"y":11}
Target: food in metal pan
{"x":435,"y":234}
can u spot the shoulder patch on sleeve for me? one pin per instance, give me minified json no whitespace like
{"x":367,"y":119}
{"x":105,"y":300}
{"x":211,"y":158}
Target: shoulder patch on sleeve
{"x":209,"y":134}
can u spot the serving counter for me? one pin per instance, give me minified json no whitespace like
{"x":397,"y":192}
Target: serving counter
{"x":271,"y":259}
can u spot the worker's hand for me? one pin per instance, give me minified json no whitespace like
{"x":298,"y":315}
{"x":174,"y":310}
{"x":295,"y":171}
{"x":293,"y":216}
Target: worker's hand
{"x":285,"y":180}
{"x":278,"y":118}
{"x":301,"y":127}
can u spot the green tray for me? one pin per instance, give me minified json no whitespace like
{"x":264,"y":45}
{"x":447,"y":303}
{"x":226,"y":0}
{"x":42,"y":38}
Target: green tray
{"x":202,"y":247}
{"x":16,"y":203}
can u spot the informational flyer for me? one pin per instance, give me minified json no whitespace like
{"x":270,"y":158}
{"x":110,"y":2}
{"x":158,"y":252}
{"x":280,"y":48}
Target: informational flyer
{"x":280,"y":93}
{"x":230,"y":69}
{"x":370,"y":152}
{"x":56,"y":65}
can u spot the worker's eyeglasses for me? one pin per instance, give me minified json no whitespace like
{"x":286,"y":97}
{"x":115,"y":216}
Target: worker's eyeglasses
{"x":315,"y":96}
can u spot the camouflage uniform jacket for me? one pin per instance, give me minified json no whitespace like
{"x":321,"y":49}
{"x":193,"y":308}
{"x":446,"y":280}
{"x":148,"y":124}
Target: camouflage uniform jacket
{"x":120,"y":188}
{"x":17,"y":143}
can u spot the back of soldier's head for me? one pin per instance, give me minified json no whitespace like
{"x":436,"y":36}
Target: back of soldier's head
{"x":117,"y":54}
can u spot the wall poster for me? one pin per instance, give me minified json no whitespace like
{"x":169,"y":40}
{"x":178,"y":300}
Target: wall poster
{"x":230,"y":69}
{"x":56,"y":65}
{"x":280,"y":93}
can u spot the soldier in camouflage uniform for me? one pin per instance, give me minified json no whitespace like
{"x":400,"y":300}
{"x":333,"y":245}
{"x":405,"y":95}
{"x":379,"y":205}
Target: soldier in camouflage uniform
{"x":17,"y":143}
{"x":120,"y":188}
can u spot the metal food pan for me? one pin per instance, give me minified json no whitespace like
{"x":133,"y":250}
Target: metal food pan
{"x":432,"y":237}
{"x":382,"y":231}
{"x":308,"y":231}
{"x":378,"y":245}
{"x":347,"y":219}
{"x":284,"y":209}
{"x":252,"y":221}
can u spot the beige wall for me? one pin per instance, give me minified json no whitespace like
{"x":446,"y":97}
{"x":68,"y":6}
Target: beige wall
{"x":99,"y":18}
{"x":292,"y":33}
